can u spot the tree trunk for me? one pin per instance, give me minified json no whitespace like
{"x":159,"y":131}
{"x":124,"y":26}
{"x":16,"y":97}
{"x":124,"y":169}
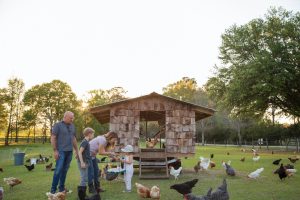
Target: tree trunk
{"x":34,"y":134}
{"x":28,"y":135}
{"x":297,"y":145}
{"x":267,"y":143}
{"x":239,"y":134}
{"x":202,"y":132}
{"x":9,"y":127}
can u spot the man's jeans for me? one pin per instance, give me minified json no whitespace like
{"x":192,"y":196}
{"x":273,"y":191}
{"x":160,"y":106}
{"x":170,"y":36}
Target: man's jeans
{"x":61,"y":169}
{"x":93,"y":173}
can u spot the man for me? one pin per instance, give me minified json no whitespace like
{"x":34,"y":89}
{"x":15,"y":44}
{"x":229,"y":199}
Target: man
{"x":63,"y":141}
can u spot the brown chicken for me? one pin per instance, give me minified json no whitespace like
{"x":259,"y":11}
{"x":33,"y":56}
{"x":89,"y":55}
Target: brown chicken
{"x":212,"y":164}
{"x":150,"y":143}
{"x":56,"y":196}
{"x":11,"y":181}
{"x":243,"y":159}
{"x":155,"y":193}
{"x":197,"y":166}
{"x":143,"y":191}
{"x":49,"y":167}
{"x":293,"y":160}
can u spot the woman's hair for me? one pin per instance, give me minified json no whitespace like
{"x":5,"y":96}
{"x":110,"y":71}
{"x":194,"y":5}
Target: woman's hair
{"x":87,"y":131}
{"x":108,"y":136}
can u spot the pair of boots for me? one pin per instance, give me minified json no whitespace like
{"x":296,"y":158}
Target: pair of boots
{"x":82,"y":194}
{"x":95,"y":189}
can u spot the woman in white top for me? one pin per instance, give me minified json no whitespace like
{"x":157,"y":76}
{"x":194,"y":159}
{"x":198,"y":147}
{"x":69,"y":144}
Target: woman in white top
{"x":99,"y":145}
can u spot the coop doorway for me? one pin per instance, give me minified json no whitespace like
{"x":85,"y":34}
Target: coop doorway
{"x":152,"y":129}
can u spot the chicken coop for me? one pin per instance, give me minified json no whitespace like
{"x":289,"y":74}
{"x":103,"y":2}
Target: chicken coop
{"x":173,"y":122}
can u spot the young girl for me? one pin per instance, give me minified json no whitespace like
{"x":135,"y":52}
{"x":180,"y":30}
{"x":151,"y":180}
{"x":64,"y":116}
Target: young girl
{"x":84,"y":160}
{"x":128,"y":166}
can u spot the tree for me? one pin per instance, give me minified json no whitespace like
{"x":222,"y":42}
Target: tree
{"x":49,"y":101}
{"x":184,"y":89}
{"x":13,"y":95}
{"x":100,"y":97}
{"x":261,"y":66}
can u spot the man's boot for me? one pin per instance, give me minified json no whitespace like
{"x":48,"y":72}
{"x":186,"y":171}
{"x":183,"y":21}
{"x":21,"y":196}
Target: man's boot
{"x":92,"y":188}
{"x":82,"y":193}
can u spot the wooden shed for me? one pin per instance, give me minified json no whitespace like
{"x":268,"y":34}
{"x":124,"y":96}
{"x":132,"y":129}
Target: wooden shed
{"x":177,"y":119}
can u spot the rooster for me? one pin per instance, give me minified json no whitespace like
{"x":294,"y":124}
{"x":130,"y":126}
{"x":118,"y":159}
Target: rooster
{"x":11,"y":181}
{"x":143,"y":191}
{"x":155,"y":193}
{"x":184,"y":188}
{"x":175,"y":172}
{"x":256,"y":173}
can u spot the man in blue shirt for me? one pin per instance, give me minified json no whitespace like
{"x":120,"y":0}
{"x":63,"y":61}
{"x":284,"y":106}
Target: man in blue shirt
{"x":63,"y":141}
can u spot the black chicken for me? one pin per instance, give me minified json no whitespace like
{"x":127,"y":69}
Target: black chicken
{"x":103,"y":159}
{"x":276,"y":162}
{"x":212,"y":155}
{"x":49,"y":167}
{"x":184,"y":188}
{"x":282,"y":172}
{"x":29,"y":167}
{"x":1,"y":169}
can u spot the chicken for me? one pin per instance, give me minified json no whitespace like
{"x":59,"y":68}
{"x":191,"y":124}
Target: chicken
{"x":49,"y":167}
{"x":176,"y":163}
{"x":243,"y":150}
{"x":221,"y":193}
{"x":228,"y":153}
{"x":197,"y":167}
{"x":184,"y":188}
{"x":293,"y":160}
{"x":229,"y":170}
{"x":211,"y":155}
{"x":255,"y":158}
{"x":243,"y":159}
{"x":143,"y":191}
{"x":212,"y":164}
{"x":1,"y":193}
{"x":254,"y":152}
{"x":282,"y":172}
{"x":103,"y":159}
{"x":175,"y":172}
{"x":205,"y":162}
{"x":256,"y":173}
{"x":56,"y":196}
{"x":110,"y":175}
{"x":276,"y":162}
{"x":290,"y":172}
{"x":1,"y":169}
{"x":150,"y":143}
{"x":155,"y":192}
{"x":29,"y":167}
{"x":11,"y":181}
{"x":223,"y":164}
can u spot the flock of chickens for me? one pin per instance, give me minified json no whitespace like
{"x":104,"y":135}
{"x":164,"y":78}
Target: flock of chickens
{"x":175,"y":168}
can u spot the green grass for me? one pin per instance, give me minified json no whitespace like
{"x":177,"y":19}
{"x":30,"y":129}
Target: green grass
{"x":268,"y":186}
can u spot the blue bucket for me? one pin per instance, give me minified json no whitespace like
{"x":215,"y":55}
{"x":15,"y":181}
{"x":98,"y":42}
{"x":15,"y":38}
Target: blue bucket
{"x":19,"y":158}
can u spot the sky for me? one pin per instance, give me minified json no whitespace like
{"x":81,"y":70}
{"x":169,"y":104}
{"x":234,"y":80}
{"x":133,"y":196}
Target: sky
{"x":139,"y":45}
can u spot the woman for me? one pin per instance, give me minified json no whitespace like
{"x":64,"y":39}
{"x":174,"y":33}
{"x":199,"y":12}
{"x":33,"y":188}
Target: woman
{"x":99,"y":145}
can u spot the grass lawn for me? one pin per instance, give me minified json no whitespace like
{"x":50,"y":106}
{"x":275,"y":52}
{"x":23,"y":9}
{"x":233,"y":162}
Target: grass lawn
{"x":36,"y":183}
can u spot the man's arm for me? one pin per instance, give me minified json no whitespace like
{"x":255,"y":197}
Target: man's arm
{"x":75,"y":146}
{"x":54,"y":146}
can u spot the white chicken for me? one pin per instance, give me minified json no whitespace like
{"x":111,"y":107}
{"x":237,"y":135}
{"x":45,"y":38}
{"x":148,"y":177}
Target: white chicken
{"x":204,"y":163}
{"x":256,"y":173}
{"x":175,"y":172}
{"x":256,"y":158}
